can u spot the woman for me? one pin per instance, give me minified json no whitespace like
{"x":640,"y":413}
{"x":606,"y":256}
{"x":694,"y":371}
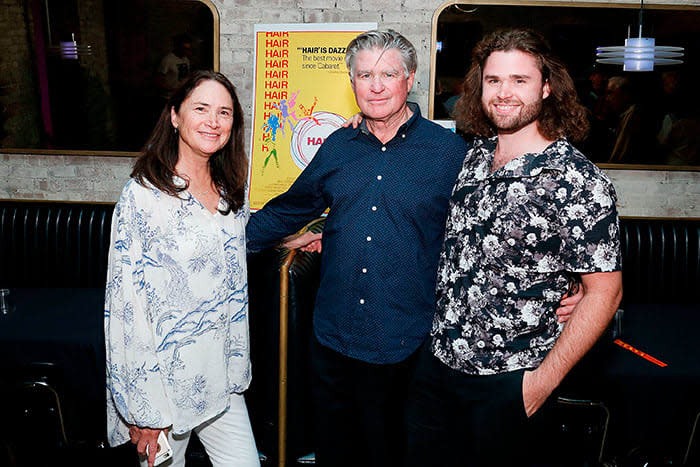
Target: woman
{"x":176,"y":303}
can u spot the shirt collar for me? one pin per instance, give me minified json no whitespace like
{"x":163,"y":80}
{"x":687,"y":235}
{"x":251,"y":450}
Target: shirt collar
{"x":530,"y":164}
{"x":179,"y":182}
{"x":412,"y":106}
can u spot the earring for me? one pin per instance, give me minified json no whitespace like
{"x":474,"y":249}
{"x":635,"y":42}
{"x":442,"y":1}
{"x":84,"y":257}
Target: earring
{"x":175,"y":130}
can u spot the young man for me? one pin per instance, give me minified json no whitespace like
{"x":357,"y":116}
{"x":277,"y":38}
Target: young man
{"x":528,"y":212}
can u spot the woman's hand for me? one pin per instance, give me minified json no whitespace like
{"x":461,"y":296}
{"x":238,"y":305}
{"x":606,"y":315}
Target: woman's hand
{"x":143,"y":437}
{"x":307,"y":241}
{"x":355,"y":120}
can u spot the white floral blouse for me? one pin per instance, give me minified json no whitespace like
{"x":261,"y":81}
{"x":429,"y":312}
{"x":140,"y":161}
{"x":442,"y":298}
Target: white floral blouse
{"x":513,"y":241}
{"x":176,"y":312}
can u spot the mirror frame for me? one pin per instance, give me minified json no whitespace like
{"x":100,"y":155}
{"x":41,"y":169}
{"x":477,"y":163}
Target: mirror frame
{"x":569,"y":4}
{"x":86,"y":152}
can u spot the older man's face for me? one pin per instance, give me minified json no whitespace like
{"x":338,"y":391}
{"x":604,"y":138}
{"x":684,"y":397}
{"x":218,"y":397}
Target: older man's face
{"x":380,"y":83}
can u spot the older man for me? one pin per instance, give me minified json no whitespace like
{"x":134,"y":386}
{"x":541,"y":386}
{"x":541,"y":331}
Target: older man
{"x":527,"y":213}
{"x":387,"y":184}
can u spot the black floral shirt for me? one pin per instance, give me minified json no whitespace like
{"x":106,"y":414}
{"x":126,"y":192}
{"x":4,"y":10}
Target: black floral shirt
{"x":513,"y":240}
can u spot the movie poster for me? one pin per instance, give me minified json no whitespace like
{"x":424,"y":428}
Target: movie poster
{"x":301,"y":95}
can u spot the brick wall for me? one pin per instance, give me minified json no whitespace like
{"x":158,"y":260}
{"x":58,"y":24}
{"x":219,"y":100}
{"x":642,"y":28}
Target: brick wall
{"x":63,"y":178}
{"x":89,"y":178}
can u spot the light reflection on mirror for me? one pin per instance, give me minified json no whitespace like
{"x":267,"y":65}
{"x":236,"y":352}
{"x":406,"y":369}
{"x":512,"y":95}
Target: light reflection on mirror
{"x":93,"y":74}
{"x":636,"y":118}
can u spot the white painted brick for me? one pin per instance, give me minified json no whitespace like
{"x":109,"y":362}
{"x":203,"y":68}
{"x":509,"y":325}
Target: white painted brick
{"x":106,"y":196}
{"x":28,"y":172}
{"x":88,"y":172}
{"x":394,"y":17}
{"x":241,"y":56}
{"x":415,"y":5}
{"x":361,"y":16}
{"x":323,"y":16}
{"x":78,"y":185}
{"x":80,"y":161}
{"x":282,"y":16}
{"x":22,"y":194}
{"x":379,"y":5}
{"x":62,"y":171}
{"x":244,"y":15}
{"x":55,"y":186}
{"x":305,"y":4}
{"x":348,"y":5}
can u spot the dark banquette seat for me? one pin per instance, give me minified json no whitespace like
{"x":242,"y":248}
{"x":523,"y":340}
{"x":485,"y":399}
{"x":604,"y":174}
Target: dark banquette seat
{"x":55,"y":244}
{"x":63,"y":244}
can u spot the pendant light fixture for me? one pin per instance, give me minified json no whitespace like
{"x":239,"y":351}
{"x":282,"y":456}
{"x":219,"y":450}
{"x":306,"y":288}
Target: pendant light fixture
{"x":640,"y":53}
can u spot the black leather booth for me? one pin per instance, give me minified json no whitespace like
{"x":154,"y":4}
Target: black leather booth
{"x":54,"y":244}
{"x":48,"y":244}
{"x":60,"y":244}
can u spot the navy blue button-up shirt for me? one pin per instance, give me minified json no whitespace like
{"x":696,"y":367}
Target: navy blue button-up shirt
{"x":382,"y":238}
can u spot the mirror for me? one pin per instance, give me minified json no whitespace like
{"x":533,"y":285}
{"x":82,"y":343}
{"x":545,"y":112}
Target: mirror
{"x":93,"y":75}
{"x":649,"y":118}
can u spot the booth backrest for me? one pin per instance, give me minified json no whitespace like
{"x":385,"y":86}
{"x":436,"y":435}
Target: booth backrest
{"x":54,"y":244}
{"x":660,"y":260}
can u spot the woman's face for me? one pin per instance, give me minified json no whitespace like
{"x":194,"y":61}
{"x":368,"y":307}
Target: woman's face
{"x":204,"y":121}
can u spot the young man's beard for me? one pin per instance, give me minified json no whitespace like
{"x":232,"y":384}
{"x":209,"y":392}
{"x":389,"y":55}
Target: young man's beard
{"x":511,"y":123}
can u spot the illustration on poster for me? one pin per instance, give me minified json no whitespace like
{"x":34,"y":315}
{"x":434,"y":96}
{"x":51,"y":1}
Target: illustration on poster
{"x":309,"y":130}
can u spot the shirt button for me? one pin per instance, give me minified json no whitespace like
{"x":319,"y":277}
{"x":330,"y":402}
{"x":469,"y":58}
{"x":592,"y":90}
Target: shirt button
{"x":379,"y":177}
{"x":374,"y":208}
{"x":369,"y":239}
{"x":364,"y":270}
{"x":403,"y":135}
{"x":362,"y":301}
{"x":383,"y":148}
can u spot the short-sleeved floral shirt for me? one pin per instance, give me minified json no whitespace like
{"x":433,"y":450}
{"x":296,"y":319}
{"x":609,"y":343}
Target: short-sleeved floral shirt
{"x":513,"y":240}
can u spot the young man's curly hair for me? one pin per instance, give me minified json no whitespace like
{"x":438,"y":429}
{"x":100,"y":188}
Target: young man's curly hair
{"x":562,"y":114}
